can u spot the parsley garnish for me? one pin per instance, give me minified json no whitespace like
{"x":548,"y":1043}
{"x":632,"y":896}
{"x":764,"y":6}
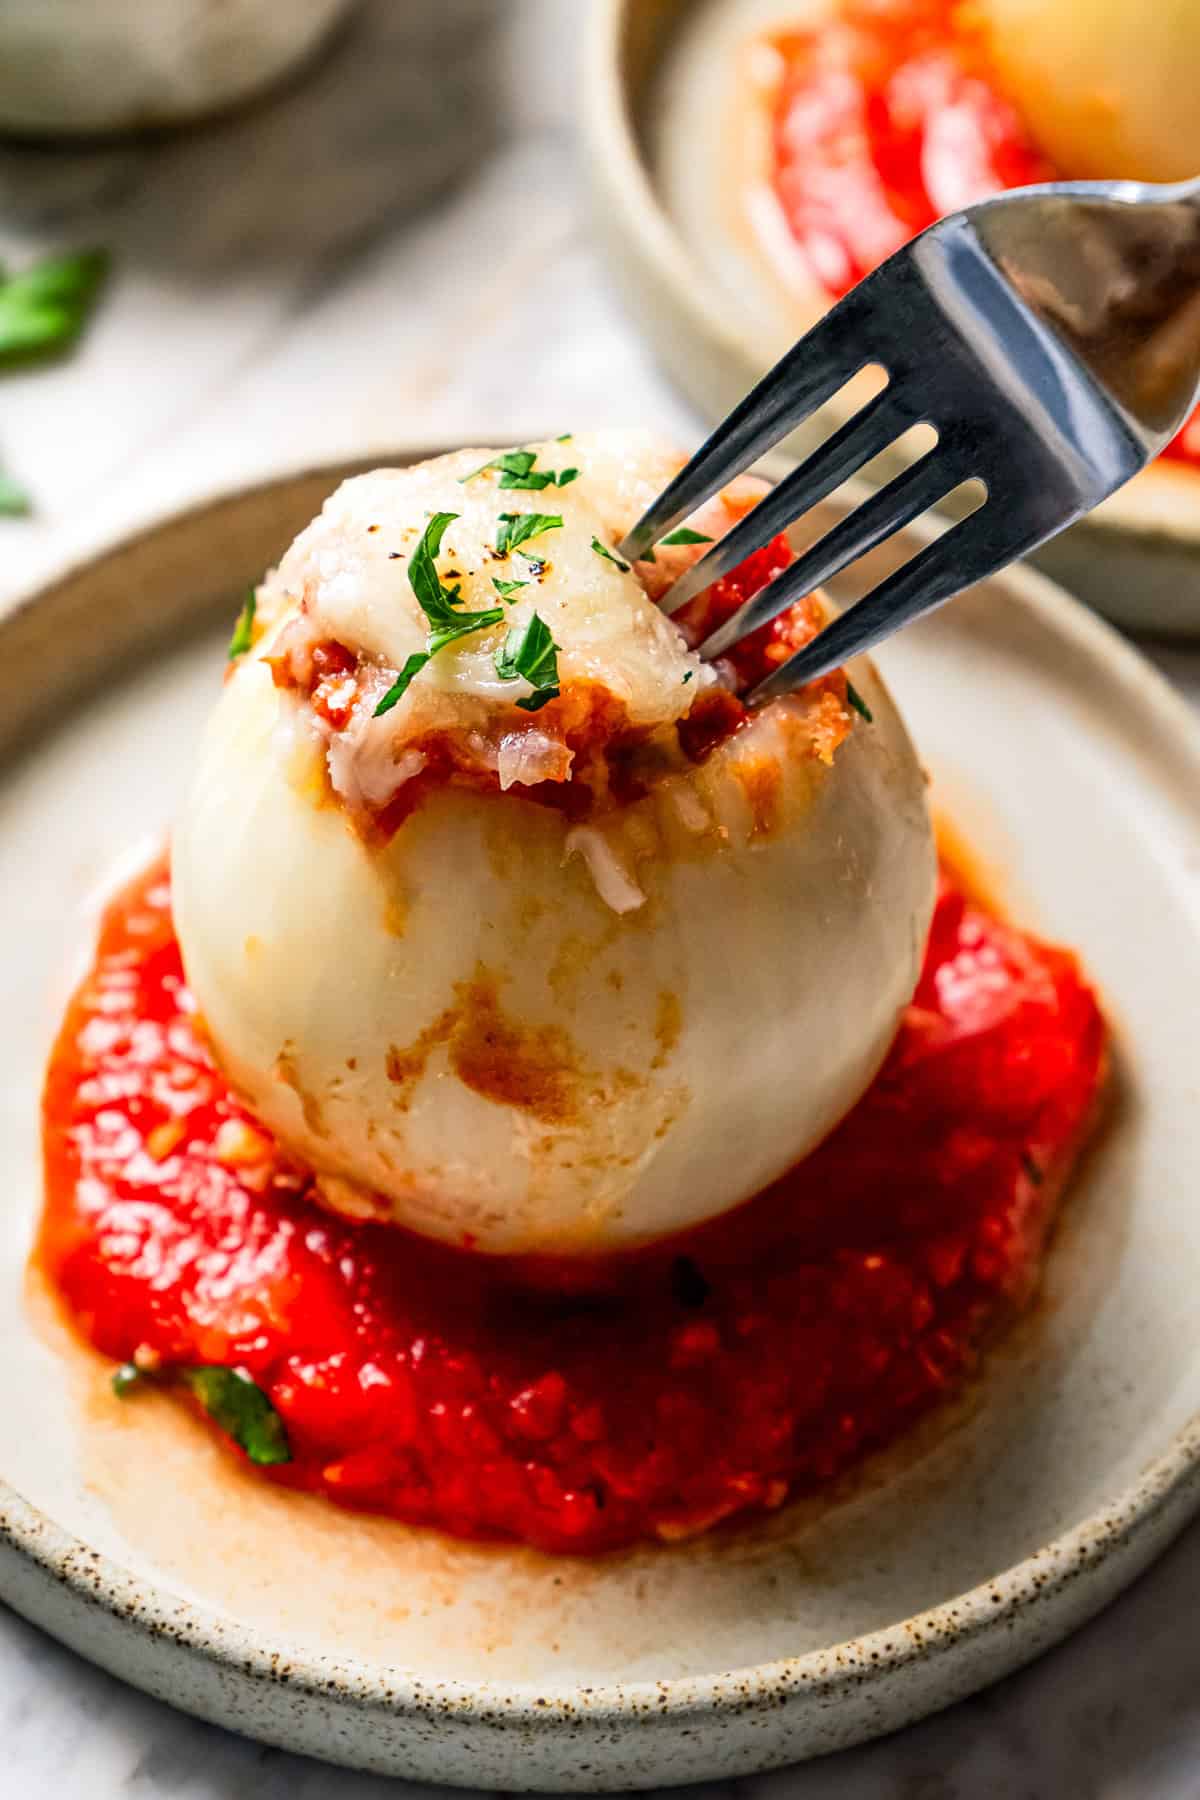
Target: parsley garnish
{"x":609,"y":555}
{"x":436,"y":601}
{"x":565,"y":438}
{"x":232,"y":1400}
{"x":447,"y":623}
{"x":518,"y":528}
{"x":243,"y":632}
{"x":687,"y":677}
{"x":529,"y":650}
{"x":685,"y":536}
{"x":506,"y":589}
{"x":14,"y":501}
{"x":42,"y":311}
{"x":855,"y":699}
{"x":517,"y":470}
{"x":241,"y":1409}
{"x":125,"y":1379}
{"x":45,"y":308}
{"x":399,"y":687}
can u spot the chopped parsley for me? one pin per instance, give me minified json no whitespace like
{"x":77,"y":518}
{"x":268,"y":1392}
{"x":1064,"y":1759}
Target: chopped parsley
{"x":232,"y":1401}
{"x":518,"y":528}
{"x":399,"y":687}
{"x":241,"y":1409}
{"x":855,"y":699}
{"x":517,"y":469}
{"x":565,"y":438}
{"x":125,"y":1379}
{"x":609,"y":555}
{"x":529,"y":650}
{"x":684,"y":536}
{"x":243,"y":632}
{"x":447,"y":622}
{"x":436,"y":601}
{"x":45,"y":308}
{"x":687,"y":677}
{"x":506,"y":589}
{"x":14,"y":501}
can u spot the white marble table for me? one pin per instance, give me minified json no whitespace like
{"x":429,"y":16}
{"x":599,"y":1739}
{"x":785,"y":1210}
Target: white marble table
{"x":398,"y":250}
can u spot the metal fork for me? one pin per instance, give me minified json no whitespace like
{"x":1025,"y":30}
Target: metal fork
{"x":1051,"y":337}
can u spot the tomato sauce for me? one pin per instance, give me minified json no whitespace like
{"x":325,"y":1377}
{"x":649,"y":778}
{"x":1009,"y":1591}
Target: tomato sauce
{"x":884,"y":120}
{"x":587,"y":722}
{"x":651,"y":1396}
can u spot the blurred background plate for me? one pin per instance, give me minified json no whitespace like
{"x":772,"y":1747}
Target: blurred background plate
{"x":667,"y":140}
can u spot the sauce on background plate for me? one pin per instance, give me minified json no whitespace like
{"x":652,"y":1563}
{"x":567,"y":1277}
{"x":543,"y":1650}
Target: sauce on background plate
{"x":884,"y":118}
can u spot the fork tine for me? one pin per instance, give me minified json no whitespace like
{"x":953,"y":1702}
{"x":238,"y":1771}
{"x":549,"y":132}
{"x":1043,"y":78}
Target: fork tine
{"x":919,"y":487}
{"x":938,"y":572}
{"x":811,"y":372}
{"x":871,"y":430}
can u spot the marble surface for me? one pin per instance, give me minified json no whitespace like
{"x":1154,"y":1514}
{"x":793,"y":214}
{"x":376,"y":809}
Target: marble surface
{"x":397,"y":250}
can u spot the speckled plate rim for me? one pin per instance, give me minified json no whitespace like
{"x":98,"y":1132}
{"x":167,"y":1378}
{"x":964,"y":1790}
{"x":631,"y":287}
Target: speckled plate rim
{"x":1147,"y":533}
{"x":94,"y":1604}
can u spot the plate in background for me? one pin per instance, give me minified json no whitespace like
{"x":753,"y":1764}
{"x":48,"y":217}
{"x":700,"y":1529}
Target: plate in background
{"x":961,"y":1554}
{"x":661,"y":141}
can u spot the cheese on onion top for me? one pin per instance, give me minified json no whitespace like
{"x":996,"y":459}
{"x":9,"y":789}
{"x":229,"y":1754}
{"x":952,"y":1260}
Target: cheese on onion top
{"x":500,"y":954}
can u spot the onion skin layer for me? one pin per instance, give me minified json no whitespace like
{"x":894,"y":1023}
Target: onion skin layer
{"x":459,"y":1031}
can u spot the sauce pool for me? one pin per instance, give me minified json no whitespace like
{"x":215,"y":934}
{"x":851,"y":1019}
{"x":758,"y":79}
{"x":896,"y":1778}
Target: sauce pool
{"x":689,"y":1384}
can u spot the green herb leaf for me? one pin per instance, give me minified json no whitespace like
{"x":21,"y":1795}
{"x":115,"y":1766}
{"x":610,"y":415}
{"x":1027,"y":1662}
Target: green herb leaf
{"x":399,"y":687}
{"x":511,"y":462}
{"x":529,"y":650}
{"x":434,"y":600}
{"x":14,"y":501}
{"x":243,"y":632}
{"x":462,"y":625}
{"x":860,"y":706}
{"x":241,"y":1409}
{"x":685,"y":536}
{"x":565,"y":438}
{"x":687,"y":677}
{"x":126,"y":1379}
{"x":437,"y":601}
{"x":518,"y":528}
{"x":44,"y":309}
{"x":609,"y":555}
{"x":506,"y":589}
{"x":517,"y":470}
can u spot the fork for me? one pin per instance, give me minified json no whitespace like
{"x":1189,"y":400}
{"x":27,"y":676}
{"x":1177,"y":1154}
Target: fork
{"x":1051,"y":338}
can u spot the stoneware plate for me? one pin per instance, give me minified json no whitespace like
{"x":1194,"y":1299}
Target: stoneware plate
{"x":677,"y":173}
{"x":124,"y":1531}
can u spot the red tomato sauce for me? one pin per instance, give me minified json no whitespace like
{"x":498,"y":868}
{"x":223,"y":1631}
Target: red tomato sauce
{"x":710,"y":1377}
{"x":884,"y":120}
{"x":585,"y":719}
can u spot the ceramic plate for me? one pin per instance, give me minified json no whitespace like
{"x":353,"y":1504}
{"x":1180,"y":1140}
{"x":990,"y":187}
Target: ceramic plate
{"x":663,"y":141}
{"x":127,"y":1533}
